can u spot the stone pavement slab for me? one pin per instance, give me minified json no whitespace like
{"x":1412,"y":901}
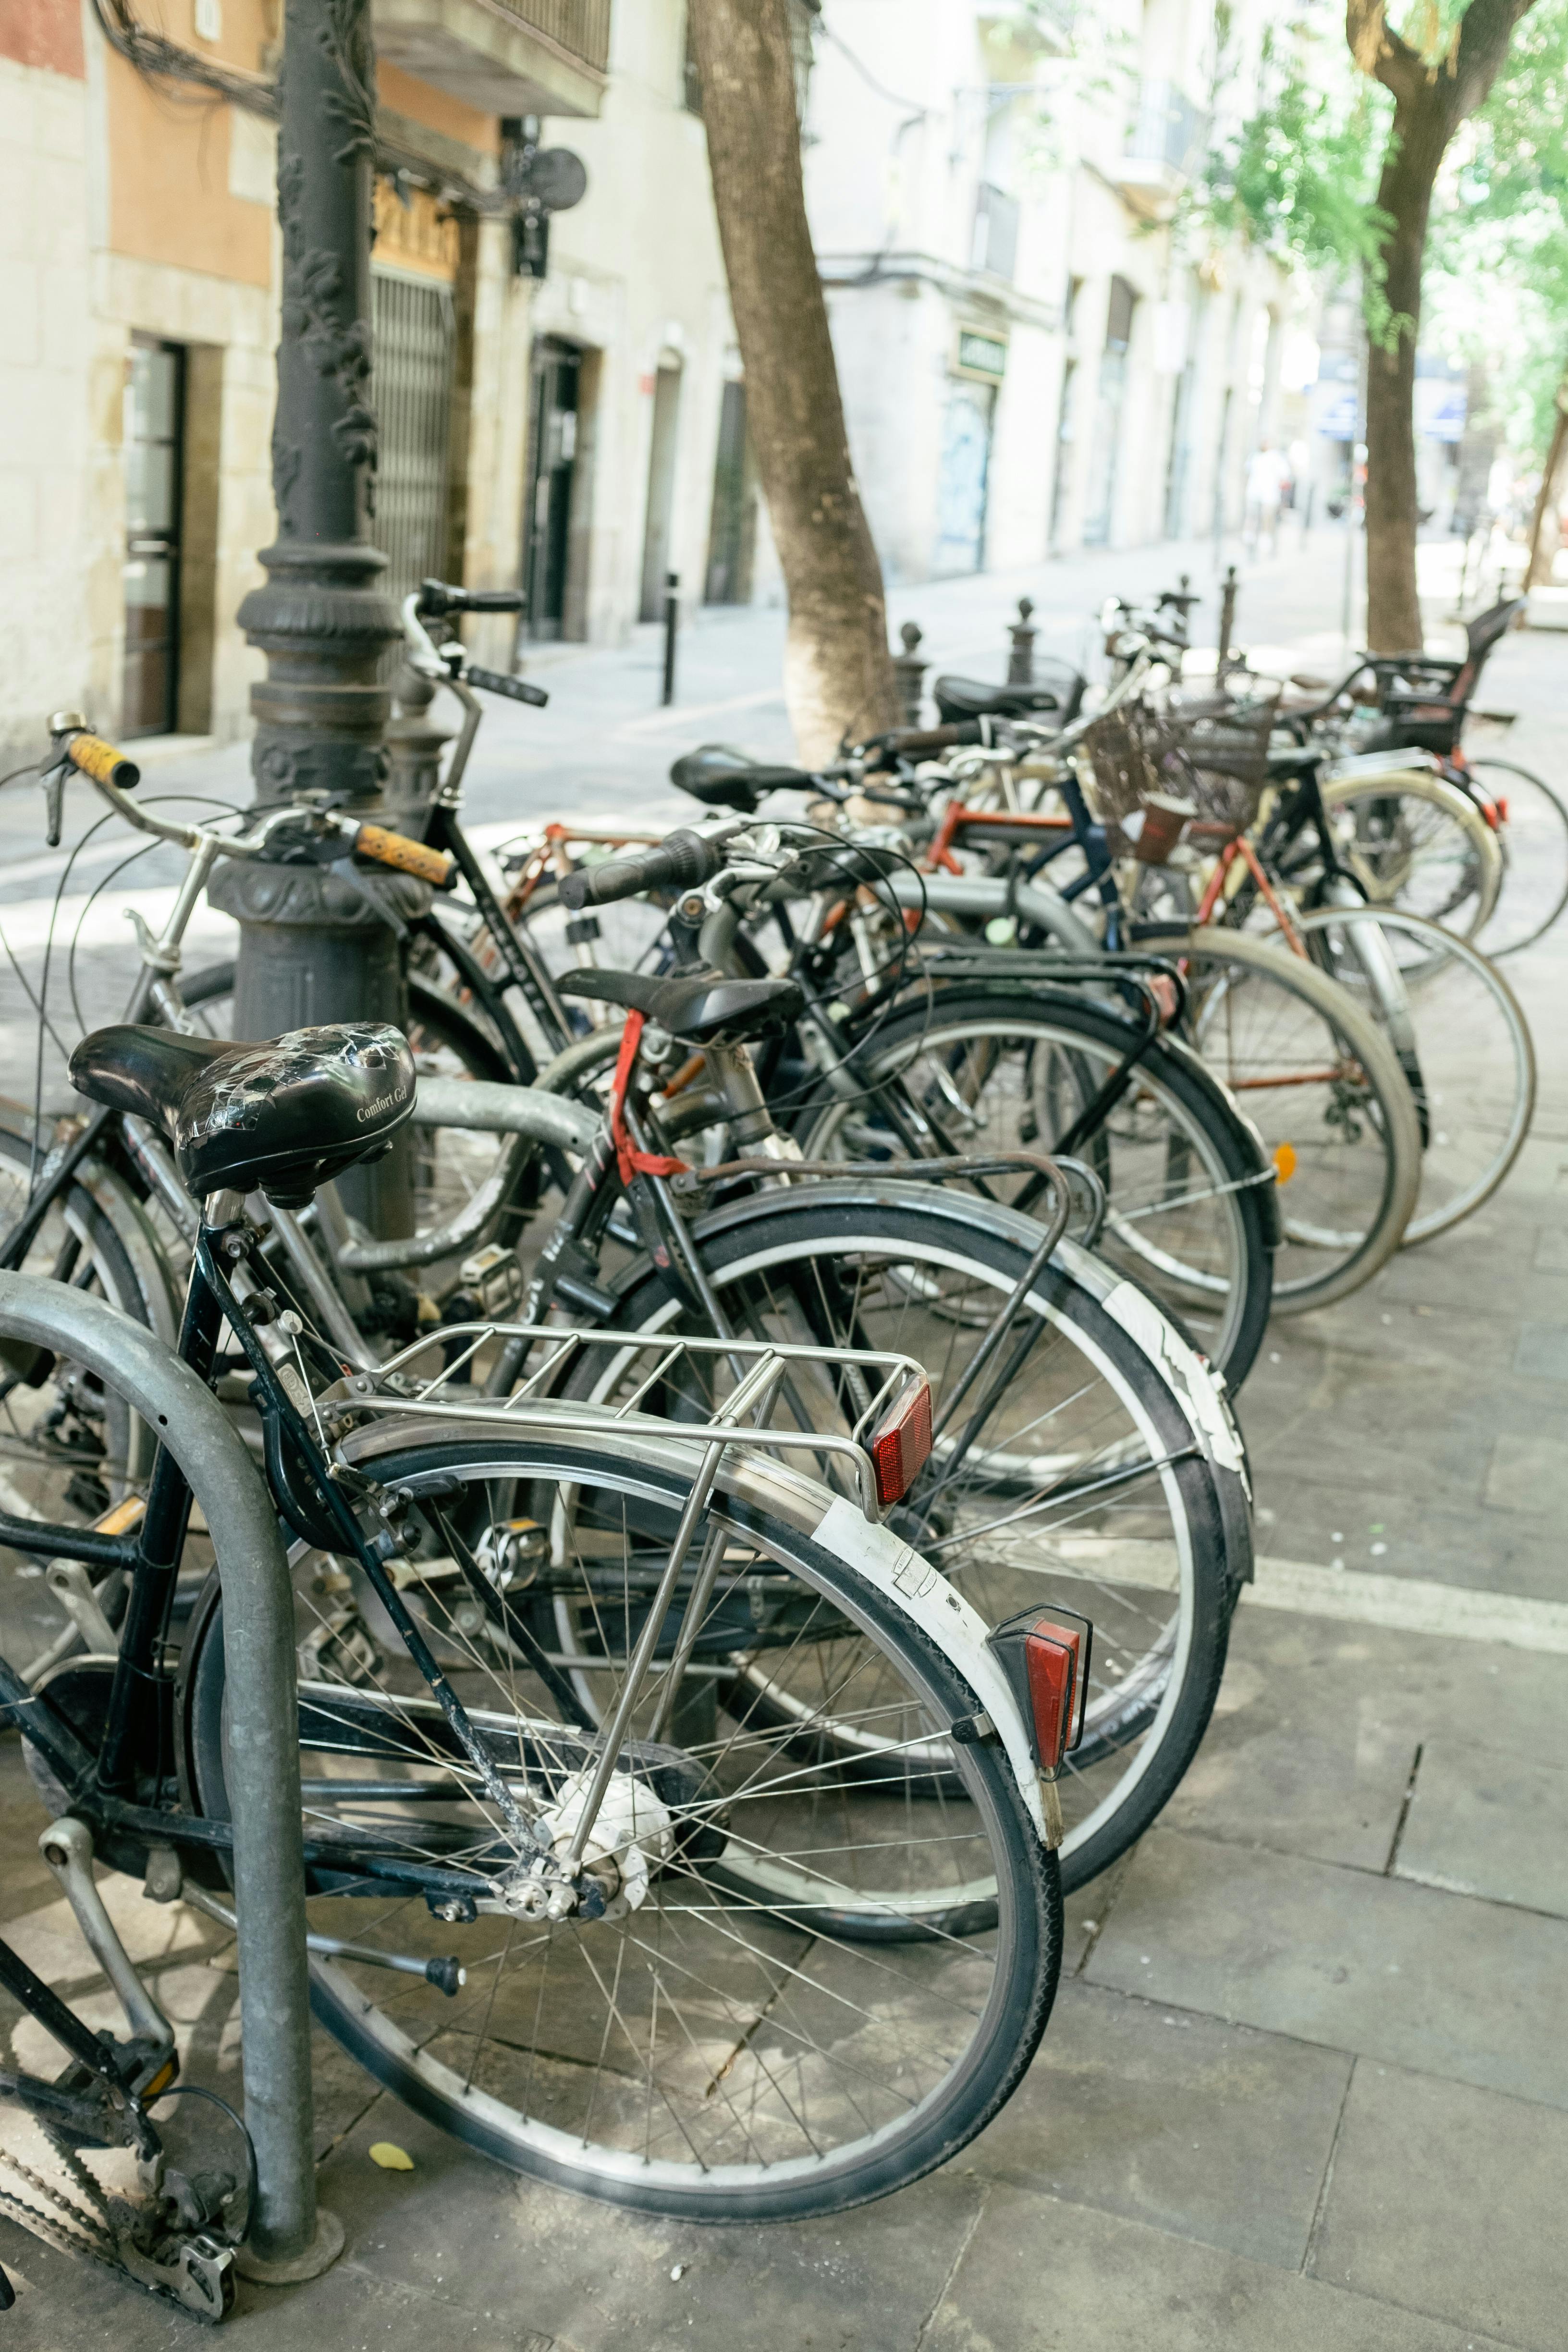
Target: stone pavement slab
{"x":1430,"y":1980}
{"x":1039,"y":2277}
{"x":1482,"y":1822}
{"x":1215,"y":2131}
{"x":1449,"y":2200}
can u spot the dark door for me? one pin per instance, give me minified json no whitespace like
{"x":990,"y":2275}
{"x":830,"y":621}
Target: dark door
{"x":732,"y":532}
{"x":553,"y":458}
{"x":416,"y":338}
{"x":155,"y":470}
{"x":660,"y":492}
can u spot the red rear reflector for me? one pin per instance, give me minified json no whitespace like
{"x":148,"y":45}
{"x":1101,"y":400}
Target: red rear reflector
{"x":1044,"y":1654}
{"x":901,"y":1442}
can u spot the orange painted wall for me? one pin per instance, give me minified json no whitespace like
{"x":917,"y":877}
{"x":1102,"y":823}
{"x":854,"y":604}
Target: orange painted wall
{"x":169,"y":156}
{"x":422,"y":102}
{"x":46,"y":33}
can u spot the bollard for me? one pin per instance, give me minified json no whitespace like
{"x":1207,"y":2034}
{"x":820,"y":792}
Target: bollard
{"x":290,"y":2237}
{"x":910,"y":671}
{"x":1226,"y":622}
{"x":671,"y":622}
{"x":1021,"y":655}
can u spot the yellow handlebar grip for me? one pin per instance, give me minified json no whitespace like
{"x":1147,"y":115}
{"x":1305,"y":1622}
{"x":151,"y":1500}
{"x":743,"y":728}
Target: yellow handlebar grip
{"x":409,"y":856}
{"x":102,"y":762}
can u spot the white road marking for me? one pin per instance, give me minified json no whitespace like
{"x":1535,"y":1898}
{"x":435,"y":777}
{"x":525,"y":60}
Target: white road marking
{"x":1407,"y":1604}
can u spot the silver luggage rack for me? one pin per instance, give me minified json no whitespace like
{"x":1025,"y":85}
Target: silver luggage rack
{"x":883,"y":1451}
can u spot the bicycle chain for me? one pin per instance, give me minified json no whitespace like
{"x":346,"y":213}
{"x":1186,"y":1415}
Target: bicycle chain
{"x":102,"y":2244}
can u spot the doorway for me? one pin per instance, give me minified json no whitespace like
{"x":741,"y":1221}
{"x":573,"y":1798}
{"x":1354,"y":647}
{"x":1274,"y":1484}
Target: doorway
{"x":660,"y":489}
{"x":155,"y":440}
{"x":553,"y":462}
{"x":962,"y":477}
{"x":732,"y":533}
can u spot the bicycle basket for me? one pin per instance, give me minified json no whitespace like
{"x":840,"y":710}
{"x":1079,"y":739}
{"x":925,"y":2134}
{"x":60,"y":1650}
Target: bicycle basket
{"x":1181,"y":766}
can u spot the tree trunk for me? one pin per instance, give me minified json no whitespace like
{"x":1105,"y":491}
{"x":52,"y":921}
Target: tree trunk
{"x":1405,"y":192}
{"x":838,"y":674}
{"x":1432,"y":99}
{"x":1544,"y":544}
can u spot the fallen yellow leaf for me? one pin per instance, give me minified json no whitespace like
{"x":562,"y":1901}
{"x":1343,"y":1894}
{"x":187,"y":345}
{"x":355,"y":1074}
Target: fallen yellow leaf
{"x":391,"y":2159}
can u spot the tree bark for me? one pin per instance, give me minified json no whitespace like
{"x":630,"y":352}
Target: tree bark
{"x":1430,"y":102}
{"x":1543,"y":556}
{"x":838,"y":673}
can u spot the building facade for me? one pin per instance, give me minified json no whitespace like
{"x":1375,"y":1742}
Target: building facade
{"x":1036,"y":355}
{"x":1038,"y":352}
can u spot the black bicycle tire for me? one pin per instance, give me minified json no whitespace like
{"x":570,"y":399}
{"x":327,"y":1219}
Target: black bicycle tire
{"x":1031,"y":1919}
{"x":1215,"y":1528}
{"x":1187,"y":1079}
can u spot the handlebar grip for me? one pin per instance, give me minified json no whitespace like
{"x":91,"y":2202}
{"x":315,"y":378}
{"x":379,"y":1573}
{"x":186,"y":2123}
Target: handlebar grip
{"x":409,"y":856}
{"x":102,"y":762}
{"x":516,"y":689}
{"x":935,"y":739}
{"x":681,"y":862}
{"x":438,"y":597}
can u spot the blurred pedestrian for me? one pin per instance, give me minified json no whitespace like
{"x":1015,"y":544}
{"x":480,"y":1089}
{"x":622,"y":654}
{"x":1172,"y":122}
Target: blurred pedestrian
{"x":1267,"y":473}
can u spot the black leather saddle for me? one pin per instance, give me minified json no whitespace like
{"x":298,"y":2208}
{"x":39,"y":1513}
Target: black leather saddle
{"x":1056,"y":692}
{"x":706,"y":1010}
{"x":721,"y":777}
{"x":281,"y":1117}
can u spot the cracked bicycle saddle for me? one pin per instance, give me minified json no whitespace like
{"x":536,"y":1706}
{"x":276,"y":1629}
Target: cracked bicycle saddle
{"x":282,"y":1116}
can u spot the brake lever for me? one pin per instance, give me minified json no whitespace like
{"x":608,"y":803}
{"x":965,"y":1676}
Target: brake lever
{"x":54,"y":783}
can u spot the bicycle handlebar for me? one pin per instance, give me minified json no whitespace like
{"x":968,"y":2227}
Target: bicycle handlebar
{"x":516,"y":689}
{"x":101,"y":760}
{"x":396,"y":849}
{"x":436,"y":598}
{"x":683,"y":861}
{"x":915,"y":741}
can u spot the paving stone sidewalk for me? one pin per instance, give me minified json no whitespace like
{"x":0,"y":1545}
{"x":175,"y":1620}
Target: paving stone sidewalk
{"x":1306,"y":2087}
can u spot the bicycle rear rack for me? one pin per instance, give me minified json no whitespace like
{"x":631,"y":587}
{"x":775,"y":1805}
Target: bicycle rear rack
{"x":881,"y":1452}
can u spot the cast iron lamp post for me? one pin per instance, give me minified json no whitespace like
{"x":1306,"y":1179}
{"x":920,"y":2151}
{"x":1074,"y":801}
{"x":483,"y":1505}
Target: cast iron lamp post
{"x":312,"y":946}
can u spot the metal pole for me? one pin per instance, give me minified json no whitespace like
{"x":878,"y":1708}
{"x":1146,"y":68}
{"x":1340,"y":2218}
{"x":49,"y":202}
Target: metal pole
{"x":312,"y":947}
{"x":1227,"y":622}
{"x":290,"y":2238}
{"x":1021,"y":647}
{"x":909,"y":670}
{"x":671,"y":622}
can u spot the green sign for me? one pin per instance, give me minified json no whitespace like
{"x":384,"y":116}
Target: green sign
{"x":984,"y":353}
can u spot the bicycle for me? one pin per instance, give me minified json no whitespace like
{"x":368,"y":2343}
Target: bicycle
{"x":475,"y":1838}
{"x":1142,"y":1491}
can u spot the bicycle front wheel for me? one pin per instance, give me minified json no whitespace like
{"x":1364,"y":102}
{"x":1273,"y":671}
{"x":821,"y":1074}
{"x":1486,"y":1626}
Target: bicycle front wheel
{"x":728,"y":2041}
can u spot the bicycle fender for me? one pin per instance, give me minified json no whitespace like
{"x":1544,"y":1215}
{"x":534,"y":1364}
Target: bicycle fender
{"x":923,"y":1594}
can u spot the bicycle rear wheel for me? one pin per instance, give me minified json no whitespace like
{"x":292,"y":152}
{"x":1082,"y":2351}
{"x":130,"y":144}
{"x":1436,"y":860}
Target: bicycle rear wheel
{"x":727,"y":2043}
{"x":1317,"y":1076}
{"x":1007,"y":1067}
{"x":1534,"y":843}
{"x":1088,"y":1474}
{"x":1461,"y":1026}
{"x":1416,"y":842}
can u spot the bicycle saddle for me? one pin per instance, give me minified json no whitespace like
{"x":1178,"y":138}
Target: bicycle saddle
{"x":958,"y":699}
{"x":282,"y":1116}
{"x":721,"y":777}
{"x":706,"y":1010}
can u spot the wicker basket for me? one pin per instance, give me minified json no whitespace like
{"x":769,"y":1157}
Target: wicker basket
{"x":1180,"y":766}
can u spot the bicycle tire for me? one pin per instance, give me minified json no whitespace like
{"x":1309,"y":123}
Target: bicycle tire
{"x":1428,"y":1024}
{"x":1172,"y":1080}
{"x":1377,"y":1093}
{"x":1547,"y":820}
{"x":1476,"y":869}
{"x":413,"y":2047}
{"x":1109,"y":1332}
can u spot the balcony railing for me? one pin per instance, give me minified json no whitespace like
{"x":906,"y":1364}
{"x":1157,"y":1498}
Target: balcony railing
{"x":1167,"y":128}
{"x":582,"y":28}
